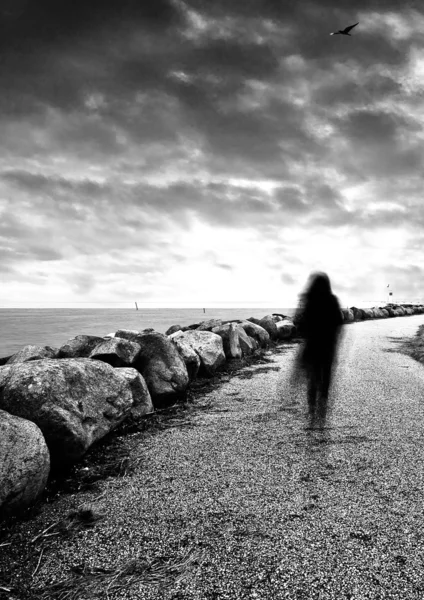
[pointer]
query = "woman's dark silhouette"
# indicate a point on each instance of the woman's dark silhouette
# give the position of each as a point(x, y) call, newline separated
point(318, 319)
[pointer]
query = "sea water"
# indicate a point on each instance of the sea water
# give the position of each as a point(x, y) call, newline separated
point(54, 326)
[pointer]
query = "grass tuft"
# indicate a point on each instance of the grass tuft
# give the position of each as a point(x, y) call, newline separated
point(98, 582)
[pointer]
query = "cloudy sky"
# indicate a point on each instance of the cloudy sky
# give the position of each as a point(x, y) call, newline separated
point(190, 152)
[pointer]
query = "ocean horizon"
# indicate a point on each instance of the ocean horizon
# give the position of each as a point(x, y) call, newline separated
point(54, 326)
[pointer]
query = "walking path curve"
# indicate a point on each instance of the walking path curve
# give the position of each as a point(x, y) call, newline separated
point(250, 500)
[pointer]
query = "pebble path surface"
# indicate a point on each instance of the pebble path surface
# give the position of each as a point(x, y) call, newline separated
point(268, 503)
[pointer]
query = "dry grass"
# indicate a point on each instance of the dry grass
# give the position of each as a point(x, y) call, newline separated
point(98, 582)
point(413, 347)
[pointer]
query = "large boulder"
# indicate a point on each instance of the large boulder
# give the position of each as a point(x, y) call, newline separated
point(173, 329)
point(162, 367)
point(285, 329)
point(74, 401)
point(254, 320)
point(24, 463)
point(209, 347)
point(368, 313)
point(256, 332)
point(187, 353)
point(28, 353)
point(385, 313)
point(209, 325)
point(267, 323)
point(79, 346)
point(128, 334)
point(280, 317)
point(247, 344)
point(230, 340)
point(142, 401)
point(347, 314)
point(117, 352)
point(358, 313)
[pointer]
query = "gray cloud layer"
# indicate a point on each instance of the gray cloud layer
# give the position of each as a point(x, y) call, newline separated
point(125, 124)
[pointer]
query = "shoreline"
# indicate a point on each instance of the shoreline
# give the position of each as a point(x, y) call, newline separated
point(70, 516)
point(70, 506)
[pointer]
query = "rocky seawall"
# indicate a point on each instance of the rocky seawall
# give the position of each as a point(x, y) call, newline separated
point(55, 403)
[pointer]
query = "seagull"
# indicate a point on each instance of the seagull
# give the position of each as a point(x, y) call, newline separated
point(345, 31)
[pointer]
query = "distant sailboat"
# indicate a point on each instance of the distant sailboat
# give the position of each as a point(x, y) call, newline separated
point(204, 310)
point(136, 307)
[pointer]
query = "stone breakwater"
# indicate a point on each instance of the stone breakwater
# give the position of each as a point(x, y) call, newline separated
point(56, 402)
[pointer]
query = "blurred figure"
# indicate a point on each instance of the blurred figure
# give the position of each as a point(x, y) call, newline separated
point(318, 319)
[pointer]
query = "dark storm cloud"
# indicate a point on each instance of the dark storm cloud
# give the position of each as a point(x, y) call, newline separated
point(129, 85)
point(345, 93)
point(142, 71)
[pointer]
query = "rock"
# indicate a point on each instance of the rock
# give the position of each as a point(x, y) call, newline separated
point(24, 463)
point(368, 313)
point(209, 325)
point(257, 332)
point(254, 320)
point(230, 340)
point(173, 329)
point(188, 354)
point(142, 401)
point(28, 353)
point(385, 313)
point(79, 346)
point(347, 315)
point(271, 327)
point(117, 352)
point(74, 401)
point(357, 313)
point(286, 329)
point(390, 310)
point(4, 360)
point(162, 367)
point(4, 374)
point(128, 334)
point(280, 317)
point(209, 347)
point(247, 344)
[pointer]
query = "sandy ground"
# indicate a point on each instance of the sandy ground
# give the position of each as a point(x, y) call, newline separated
point(247, 497)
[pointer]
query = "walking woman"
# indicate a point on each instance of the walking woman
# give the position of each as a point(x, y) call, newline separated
point(318, 319)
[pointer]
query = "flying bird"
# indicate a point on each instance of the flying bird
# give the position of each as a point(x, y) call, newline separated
point(345, 31)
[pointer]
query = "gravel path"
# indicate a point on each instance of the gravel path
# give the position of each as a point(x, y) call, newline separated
point(249, 499)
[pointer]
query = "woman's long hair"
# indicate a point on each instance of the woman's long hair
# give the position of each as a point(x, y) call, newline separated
point(318, 290)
